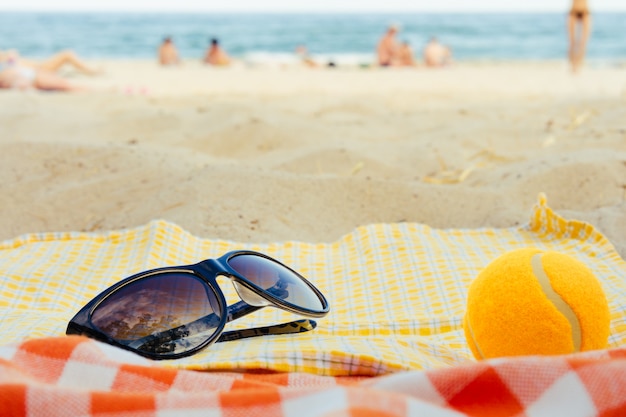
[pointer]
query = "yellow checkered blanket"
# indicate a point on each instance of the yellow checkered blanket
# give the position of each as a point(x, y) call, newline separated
point(396, 291)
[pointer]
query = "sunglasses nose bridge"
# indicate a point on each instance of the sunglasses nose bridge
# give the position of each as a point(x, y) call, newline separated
point(217, 267)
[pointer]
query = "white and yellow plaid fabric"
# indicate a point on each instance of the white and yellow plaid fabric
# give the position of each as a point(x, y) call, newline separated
point(396, 291)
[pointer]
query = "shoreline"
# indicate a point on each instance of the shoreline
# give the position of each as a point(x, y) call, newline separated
point(479, 79)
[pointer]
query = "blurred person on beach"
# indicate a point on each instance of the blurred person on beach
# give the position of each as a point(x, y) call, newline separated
point(387, 49)
point(215, 55)
point(303, 53)
point(168, 54)
point(579, 29)
point(436, 55)
point(22, 73)
point(405, 55)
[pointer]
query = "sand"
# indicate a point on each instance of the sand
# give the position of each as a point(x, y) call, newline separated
point(274, 154)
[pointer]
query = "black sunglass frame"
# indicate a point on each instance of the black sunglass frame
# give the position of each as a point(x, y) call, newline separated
point(208, 272)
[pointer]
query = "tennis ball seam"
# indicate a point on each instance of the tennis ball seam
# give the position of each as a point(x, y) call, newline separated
point(557, 301)
point(471, 335)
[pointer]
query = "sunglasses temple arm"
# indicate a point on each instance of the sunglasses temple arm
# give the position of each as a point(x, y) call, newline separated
point(297, 326)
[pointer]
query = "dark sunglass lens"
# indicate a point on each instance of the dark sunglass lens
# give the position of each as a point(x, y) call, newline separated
point(276, 279)
point(159, 314)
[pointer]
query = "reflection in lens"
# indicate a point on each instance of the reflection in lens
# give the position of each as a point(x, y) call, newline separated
point(277, 280)
point(164, 313)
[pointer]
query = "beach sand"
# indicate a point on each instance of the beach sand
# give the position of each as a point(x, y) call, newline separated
point(276, 154)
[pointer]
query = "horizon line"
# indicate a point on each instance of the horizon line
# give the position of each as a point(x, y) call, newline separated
point(289, 11)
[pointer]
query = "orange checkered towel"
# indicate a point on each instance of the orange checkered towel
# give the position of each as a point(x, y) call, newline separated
point(75, 376)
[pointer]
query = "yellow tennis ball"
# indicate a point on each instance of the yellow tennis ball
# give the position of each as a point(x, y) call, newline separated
point(533, 302)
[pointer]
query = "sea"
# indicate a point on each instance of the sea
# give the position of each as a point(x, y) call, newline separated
point(340, 37)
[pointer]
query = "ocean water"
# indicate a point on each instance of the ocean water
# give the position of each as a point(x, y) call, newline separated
point(340, 37)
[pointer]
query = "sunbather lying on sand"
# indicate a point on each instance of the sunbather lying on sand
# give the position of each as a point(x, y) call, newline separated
point(21, 73)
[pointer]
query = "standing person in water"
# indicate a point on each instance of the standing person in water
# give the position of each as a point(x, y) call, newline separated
point(579, 29)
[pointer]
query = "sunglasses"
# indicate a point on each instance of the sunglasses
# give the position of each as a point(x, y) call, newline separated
point(172, 312)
